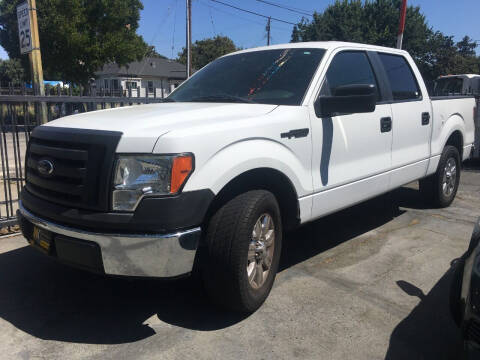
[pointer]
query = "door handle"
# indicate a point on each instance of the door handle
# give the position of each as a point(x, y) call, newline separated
point(386, 124)
point(425, 118)
point(297, 133)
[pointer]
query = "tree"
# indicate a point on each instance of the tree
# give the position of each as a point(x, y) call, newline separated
point(78, 37)
point(152, 52)
point(11, 71)
point(376, 22)
point(207, 50)
point(467, 46)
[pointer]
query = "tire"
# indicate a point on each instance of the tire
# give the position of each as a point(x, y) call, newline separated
point(441, 188)
point(229, 250)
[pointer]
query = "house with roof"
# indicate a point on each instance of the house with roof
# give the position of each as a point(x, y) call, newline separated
point(151, 77)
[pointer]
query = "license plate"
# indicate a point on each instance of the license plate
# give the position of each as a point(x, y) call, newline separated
point(42, 238)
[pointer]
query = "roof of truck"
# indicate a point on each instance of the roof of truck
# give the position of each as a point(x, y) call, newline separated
point(325, 45)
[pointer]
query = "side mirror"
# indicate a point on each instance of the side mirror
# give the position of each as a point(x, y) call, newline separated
point(348, 99)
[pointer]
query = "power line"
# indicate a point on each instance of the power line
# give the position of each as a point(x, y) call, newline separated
point(253, 12)
point(174, 23)
point(211, 18)
point(249, 19)
point(286, 8)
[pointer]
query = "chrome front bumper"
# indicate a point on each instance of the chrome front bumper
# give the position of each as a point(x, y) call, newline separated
point(150, 255)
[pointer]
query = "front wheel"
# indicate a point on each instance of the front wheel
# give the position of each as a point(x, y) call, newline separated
point(441, 188)
point(244, 239)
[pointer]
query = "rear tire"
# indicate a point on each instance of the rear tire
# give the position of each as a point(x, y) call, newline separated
point(441, 188)
point(244, 239)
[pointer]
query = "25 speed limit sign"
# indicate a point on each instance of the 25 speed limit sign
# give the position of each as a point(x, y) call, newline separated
point(24, 33)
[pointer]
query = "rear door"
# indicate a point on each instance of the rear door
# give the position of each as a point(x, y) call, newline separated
point(411, 119)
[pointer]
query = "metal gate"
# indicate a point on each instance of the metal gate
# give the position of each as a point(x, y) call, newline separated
point(19, 114)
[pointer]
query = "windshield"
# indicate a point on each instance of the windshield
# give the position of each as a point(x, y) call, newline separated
point(279, 77)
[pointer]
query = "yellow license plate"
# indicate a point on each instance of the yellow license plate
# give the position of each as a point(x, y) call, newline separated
point(42, 238)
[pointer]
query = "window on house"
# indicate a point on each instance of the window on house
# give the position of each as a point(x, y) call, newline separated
point(131, 84)
point(150, 87)
point(105, 83)
point(114, 84)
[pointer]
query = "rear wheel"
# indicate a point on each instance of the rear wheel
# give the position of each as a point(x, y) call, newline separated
point(441, 188)
point(244, 239)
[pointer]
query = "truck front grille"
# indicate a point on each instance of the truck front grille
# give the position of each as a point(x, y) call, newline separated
point(80, 161)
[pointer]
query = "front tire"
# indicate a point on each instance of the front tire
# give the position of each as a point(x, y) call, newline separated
point(244, 239)
point(441, 188)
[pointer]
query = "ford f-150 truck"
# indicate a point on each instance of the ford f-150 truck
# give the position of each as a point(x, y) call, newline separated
point(256, 143)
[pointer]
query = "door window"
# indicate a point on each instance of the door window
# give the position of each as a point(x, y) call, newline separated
point(402, 81)
point(349, 68)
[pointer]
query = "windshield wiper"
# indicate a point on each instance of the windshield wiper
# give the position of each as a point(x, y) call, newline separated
point(222, 98)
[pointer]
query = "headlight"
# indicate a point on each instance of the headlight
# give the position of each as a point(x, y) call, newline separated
point(139, 175)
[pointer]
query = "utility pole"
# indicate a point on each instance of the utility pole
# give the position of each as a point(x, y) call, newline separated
point(189, 38)
point(401, 27)
point(268, 30)
point(30, 34)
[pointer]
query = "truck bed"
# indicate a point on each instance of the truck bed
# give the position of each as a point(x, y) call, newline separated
point(446, 107)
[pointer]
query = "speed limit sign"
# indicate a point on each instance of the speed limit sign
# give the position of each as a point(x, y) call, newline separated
point(24, 32)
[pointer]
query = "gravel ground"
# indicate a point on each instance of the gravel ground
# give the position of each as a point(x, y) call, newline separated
point(370, 282)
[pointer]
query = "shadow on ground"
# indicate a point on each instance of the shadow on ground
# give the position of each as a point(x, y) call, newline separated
point(51, 301)
point(429, 331)
point(472, 165)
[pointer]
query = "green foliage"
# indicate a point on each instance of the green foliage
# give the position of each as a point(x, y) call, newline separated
point(152, 52)
point(376, 22)
point(11, 72)
point(78, 37)
point(207, 50)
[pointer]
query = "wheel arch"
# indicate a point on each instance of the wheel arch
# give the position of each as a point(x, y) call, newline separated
point(453, 133)
point(456, 140)
point(264, 178)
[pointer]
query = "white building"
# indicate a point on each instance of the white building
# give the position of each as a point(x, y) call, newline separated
point(152, 77)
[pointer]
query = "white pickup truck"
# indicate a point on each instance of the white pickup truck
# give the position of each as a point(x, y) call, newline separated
point(257, 142)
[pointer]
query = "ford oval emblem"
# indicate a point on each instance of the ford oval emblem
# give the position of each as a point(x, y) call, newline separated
point(45, 167)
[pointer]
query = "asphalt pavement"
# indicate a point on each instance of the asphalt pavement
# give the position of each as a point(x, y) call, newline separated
point(370, 282)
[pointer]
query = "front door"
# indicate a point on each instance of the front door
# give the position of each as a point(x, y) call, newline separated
point(351, 152)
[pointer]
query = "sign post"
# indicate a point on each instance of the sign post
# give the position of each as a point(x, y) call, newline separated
point(24, 28)
point(30, 44)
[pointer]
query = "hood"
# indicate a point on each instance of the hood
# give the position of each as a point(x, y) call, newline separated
point(142, 125)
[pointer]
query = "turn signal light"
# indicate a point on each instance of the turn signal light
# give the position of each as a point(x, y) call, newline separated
point(181, 168)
